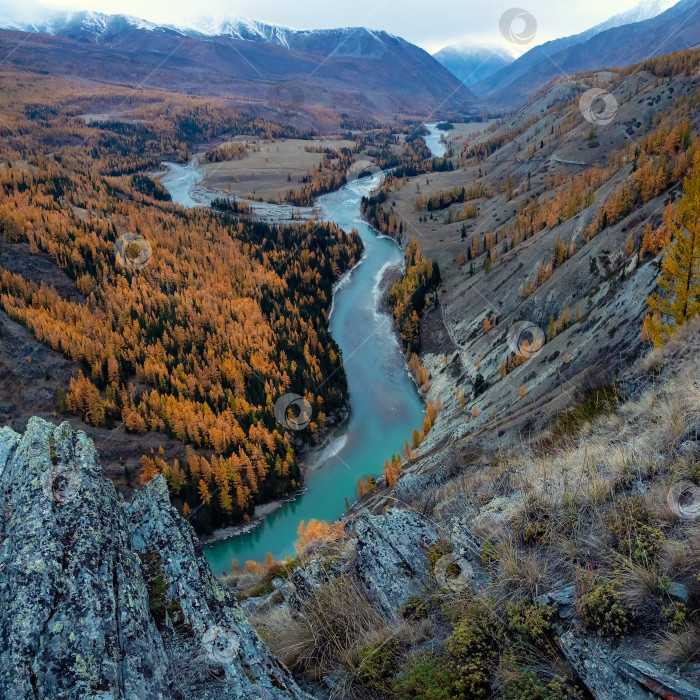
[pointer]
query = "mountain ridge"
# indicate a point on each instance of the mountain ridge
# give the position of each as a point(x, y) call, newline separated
point(96, 24)
point(354, 70)
point(619, 45)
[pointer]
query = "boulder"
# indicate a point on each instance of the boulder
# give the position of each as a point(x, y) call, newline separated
point(103, 599)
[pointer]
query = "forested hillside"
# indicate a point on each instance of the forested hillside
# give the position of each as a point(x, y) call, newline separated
point(188, 322)
point(556, 218)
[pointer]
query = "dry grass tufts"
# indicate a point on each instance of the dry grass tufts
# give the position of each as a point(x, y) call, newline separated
point(682, 646)
point(519, 574)
point(334, 625)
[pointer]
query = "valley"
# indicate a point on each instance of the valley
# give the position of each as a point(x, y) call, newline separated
point(268, 171)
point(384, 405)
point(334, 368)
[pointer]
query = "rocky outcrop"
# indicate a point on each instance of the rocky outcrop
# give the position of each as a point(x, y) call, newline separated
point(596, 665)
point(660, 681)
point(392, 562)
point(104, 599)
point(392, 558)
point(609, 677)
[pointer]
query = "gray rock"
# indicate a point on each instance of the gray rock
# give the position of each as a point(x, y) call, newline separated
point(679, 591)
point(302, 584)
point(8, 441)
point(468, 547)
point(262, 604)
point(494, 513)
point(82, 575)
point(596, 665)
point(412, 485)
point(392, 556)
point(563, 598)
point(659, 681)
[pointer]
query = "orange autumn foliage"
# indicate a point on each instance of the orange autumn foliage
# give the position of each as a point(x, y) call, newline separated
point(224, 316)
point(318, 531)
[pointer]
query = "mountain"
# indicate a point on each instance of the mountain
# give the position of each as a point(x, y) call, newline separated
point(97, 26)
point(355, 70)
point(641, 27)
point(647, 9)
point(473, 64)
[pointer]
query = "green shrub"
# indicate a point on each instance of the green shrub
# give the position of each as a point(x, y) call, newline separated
point(157, 585)
point(529, 687)
point(473, 651)
point(532, 624)
point(602, 611)
point(635, 530)
point(377, 665)
point(488, 553)
point(437, 551)
point(676, 613)
point(425, 679)
point(416, 608)
point(695, 472)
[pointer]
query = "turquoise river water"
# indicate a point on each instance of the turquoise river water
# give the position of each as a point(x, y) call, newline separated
point(385, 406)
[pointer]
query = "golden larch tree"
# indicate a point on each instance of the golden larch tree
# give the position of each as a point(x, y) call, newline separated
point(678, 298)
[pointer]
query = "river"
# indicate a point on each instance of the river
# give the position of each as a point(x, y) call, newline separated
point(385, 406)
point(432, 140)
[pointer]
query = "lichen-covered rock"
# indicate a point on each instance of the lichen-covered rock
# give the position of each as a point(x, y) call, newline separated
point(494, 513)
point(562, 598)
point(596, 665)
point(660, 681)
point(102, 599)
point(392, 556)
point(411, 485)
point(302, 584)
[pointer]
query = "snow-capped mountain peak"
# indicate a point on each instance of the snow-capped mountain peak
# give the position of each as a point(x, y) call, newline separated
point(646, 9)
point(34, 17)
point(241, 28)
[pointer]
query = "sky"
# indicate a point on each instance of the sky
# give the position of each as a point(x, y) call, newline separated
point(453, 22)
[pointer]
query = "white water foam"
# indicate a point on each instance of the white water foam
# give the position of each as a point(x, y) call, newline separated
point(332, 449)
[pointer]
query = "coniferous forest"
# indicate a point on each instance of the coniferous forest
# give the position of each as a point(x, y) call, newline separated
point(205, 319)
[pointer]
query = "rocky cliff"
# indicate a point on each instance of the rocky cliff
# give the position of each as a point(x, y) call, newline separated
point(100, 598)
